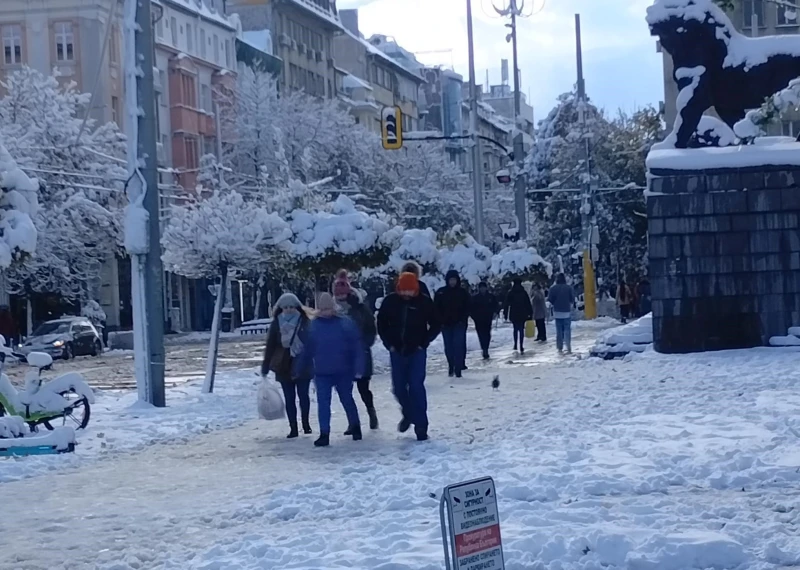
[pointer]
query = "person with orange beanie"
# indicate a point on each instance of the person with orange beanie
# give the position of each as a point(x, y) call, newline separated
point(407, 324)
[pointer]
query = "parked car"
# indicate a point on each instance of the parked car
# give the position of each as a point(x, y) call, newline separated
point(65, 338)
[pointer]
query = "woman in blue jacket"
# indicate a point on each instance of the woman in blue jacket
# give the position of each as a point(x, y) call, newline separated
point(335, 351)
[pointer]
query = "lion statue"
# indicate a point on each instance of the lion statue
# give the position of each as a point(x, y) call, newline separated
point(716, 66)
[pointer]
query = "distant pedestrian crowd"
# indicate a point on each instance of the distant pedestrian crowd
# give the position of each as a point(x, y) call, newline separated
point(332, 344)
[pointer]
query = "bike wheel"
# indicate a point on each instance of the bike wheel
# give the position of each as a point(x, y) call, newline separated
point(78, 413)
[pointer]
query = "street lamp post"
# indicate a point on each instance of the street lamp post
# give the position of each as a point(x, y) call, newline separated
point(477, 159)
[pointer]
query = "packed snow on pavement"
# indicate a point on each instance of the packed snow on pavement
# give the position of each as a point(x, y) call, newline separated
point(655, 462)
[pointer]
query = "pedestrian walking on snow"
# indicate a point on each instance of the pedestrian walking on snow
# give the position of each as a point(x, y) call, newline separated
point(414, 267)
point(518, 310)
point(407, 324)
point(350, 303)
point(453, 308)
point(334, 348)
point(562, 297)
point(539, 304)
point(483, 310)
point(286, 338)
point(624, 300)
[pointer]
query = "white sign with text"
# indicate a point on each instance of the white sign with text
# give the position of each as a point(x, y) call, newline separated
point(474, 525)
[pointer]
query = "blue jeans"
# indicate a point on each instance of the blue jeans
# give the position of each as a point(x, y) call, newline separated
point(564, 333)
point(408, 384)
point(455, 345)
point(519, 334)
point(344, 387)
point(293, 391)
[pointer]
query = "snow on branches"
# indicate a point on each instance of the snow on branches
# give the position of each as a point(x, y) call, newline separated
point(340, 236)
point(461, 252)
point(519, 260)
point(18, 204)
point(221, 231)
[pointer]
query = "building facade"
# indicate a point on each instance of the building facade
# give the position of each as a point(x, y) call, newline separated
point(441, 104)
point(392, 82)
point(753, 18)
point(501, 99)
point(302, 34)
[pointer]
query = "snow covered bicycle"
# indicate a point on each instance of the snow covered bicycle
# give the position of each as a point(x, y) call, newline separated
point(63, 398)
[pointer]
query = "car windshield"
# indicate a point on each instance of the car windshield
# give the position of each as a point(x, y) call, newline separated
point(53, 327)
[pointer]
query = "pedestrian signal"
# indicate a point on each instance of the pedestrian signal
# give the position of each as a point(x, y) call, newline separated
point(392, 128)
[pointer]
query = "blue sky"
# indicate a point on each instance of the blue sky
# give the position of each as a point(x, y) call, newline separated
point(621, 66)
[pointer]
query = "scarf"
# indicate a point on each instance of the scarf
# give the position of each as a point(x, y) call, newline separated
point(290, 329)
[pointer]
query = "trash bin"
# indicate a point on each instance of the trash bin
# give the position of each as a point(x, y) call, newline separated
point(227, 320)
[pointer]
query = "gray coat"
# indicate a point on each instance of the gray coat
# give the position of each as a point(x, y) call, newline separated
point(539, 305)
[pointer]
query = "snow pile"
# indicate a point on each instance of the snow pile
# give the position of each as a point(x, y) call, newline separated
point(519, 260)
point(47, 398)
point(415, 245)
point(775, 151)
point(12, 426)
point(18, 205)
point(791, 339)
point(342, 229)
point(636, 336)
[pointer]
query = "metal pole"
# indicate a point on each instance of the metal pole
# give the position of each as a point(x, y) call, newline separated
point(443, 505)
point(147, 159)
point(587, 198)
point(520, 207)
point(477, 157)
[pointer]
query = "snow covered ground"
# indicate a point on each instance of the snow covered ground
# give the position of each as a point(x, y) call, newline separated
point(656, 462)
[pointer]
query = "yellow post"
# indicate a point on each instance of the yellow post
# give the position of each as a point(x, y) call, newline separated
point(589, 291)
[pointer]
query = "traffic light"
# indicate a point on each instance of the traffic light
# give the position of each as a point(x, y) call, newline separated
point(392, 128)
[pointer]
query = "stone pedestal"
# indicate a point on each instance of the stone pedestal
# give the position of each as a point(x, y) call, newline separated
point(724, 254)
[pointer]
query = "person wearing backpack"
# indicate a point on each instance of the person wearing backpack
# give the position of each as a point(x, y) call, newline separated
point(286, 339)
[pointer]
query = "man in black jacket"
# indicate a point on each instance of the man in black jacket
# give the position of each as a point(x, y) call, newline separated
point(407, 325)
point(483, 310)
point(414, 267)
point(518, 310)
point(452, 307)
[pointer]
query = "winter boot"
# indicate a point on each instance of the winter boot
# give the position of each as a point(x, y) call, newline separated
point(292, 431)
point(355, 431)
point(348, 431)
point(451, 373)
point(373, 418)
point(323, 441)
point(422, 434)
point(404, 425)
point(307, 427)
point(486, 355)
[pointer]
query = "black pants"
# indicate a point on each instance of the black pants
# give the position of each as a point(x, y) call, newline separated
point(541, 330)
point(366, 394)
point(297, 390)
point(625, 311)
point(519, 334)
point(484, 331)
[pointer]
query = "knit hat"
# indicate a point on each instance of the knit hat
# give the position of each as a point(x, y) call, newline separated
point(288, 300)
point(407, 284)
point(326, 305)
point(341, 286)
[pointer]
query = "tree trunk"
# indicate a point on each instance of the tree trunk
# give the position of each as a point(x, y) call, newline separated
point(216, 323)
point(257, 311)
point(28, 317)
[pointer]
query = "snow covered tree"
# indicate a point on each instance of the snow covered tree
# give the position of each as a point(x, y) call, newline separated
point(341, 236)
point(82, 180)
point(520, 261)
point(461, 252)
point(18, 205)
point(217, 234)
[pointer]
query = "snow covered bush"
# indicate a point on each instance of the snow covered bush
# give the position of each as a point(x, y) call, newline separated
point(92, 310)
point(415, 245)
point(18, 205)
point(221, 232)
point(340, 236)
point(462, 253)
point(519, 260)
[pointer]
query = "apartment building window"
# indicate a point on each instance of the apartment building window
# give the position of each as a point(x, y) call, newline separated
point(162, 77)
point(228, 61)
point(749, 8)
point(160, 28)
point(113, 53)
point(65, 41)
point(216, 48)
point(190, 148)
point(209, 146)
point(115, 117)
point(173, 27)
point(188, 91)
point(202, 43)
point(205, 98)
point(189, 38)
point(785, 16)
point(12, 44)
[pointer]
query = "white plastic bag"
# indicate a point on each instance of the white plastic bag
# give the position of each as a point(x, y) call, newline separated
point(270, 401)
